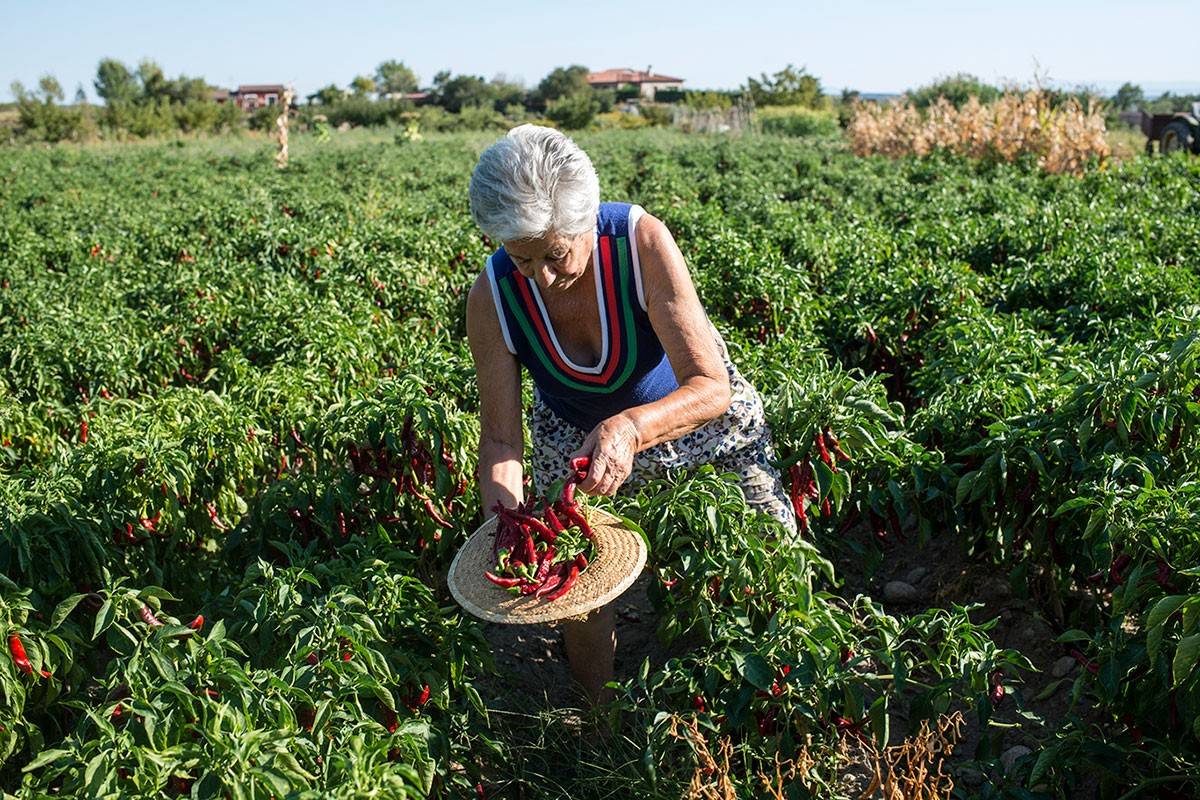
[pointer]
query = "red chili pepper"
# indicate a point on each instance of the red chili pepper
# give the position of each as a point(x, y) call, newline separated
point(553, 581)
point(197, 623)
point(390, 721)
point(669, 583)
point(148, 616)
point(313, 659)
point(579, 466)
point(997, 693)
point(554, 523)
point(835, 446)
point(1085, 662)
point(18, 654)
point(434, 515)
point(151, 523)
point(1118, 565)
point(698, 703)
point(83, 432)
point(578, 519)
point(567, 584)
point(826, 508)
point(216, 521)
point(819, 440)
point(1162, 575)
point(423, 698)
point(504, 582)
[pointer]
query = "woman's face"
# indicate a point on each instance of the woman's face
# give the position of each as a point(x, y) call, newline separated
point(554, 262)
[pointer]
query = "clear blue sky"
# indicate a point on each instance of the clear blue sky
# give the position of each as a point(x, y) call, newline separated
point(870, 45)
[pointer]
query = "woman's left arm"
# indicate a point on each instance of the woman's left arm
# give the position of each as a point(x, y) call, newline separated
point(681, 325)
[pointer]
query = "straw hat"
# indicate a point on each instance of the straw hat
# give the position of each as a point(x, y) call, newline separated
point(619, 559)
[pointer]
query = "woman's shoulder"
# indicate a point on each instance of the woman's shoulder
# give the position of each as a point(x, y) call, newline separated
point(617, 218)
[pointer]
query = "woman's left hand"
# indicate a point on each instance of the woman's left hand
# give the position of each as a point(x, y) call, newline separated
point(611, 446)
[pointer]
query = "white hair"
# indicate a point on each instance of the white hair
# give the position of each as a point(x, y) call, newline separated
point(534, 182)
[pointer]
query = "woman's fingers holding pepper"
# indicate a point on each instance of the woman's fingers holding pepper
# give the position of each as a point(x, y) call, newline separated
point(615, 444)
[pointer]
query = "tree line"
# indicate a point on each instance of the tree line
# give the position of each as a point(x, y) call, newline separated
point(143, 101)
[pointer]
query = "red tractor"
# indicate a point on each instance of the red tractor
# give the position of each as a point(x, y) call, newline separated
point(1175, 132)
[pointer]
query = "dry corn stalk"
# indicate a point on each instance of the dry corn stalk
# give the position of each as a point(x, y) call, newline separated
point(1065, 139)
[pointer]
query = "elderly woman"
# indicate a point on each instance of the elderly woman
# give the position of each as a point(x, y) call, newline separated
point(594, 300)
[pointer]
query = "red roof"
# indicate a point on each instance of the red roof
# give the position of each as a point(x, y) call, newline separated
point(261, 88)
point(628, 75)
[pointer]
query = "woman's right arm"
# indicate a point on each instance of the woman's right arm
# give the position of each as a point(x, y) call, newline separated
point(498, 374)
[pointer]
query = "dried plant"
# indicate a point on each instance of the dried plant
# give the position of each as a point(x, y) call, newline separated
point(1065, 139)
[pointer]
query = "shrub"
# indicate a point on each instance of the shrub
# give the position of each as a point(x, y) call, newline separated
point(573, 111)
point(619, 120)
point(796, 121)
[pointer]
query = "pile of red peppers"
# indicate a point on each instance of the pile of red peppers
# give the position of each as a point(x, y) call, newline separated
point(529, 548)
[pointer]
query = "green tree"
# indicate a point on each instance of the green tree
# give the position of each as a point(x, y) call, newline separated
point(154, 83)
point(327, 95)
point(1129, 96)
point(956, 88)
point(453, 94)
point(393, 77)
point(40, 117)
point(506, 93)
point(562, 82)
point(50, 88)
point(362, 86)
point(115, 83)
point(788, 87)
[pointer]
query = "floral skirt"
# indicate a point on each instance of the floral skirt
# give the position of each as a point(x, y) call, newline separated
point(738, 441)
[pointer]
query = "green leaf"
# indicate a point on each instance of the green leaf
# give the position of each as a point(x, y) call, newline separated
point(63, 610)
point(1072, 504)
point(964, 486)
point(1185, 658)
point(43, 758)
point(104, 618)
point(755, 670)
point(1164, 608)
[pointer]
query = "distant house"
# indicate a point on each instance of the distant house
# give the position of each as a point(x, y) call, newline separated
point(416, 98)
point(219, 95)
point(646, 82)
point(252, 96)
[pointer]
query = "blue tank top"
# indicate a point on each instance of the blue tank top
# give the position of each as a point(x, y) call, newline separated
point(633, 368)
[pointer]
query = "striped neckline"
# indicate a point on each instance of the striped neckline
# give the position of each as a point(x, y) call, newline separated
point(619, 347)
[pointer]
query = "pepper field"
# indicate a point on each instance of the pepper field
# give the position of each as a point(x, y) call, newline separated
point(235, 401)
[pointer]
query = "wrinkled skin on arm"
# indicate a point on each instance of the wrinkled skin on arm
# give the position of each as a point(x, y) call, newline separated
point(498, 373)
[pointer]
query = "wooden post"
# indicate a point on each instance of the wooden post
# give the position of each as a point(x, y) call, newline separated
point(281, 122)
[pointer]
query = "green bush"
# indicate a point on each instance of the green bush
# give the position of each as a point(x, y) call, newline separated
point(796, 121)
point(574, 112)
point(956, 88)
